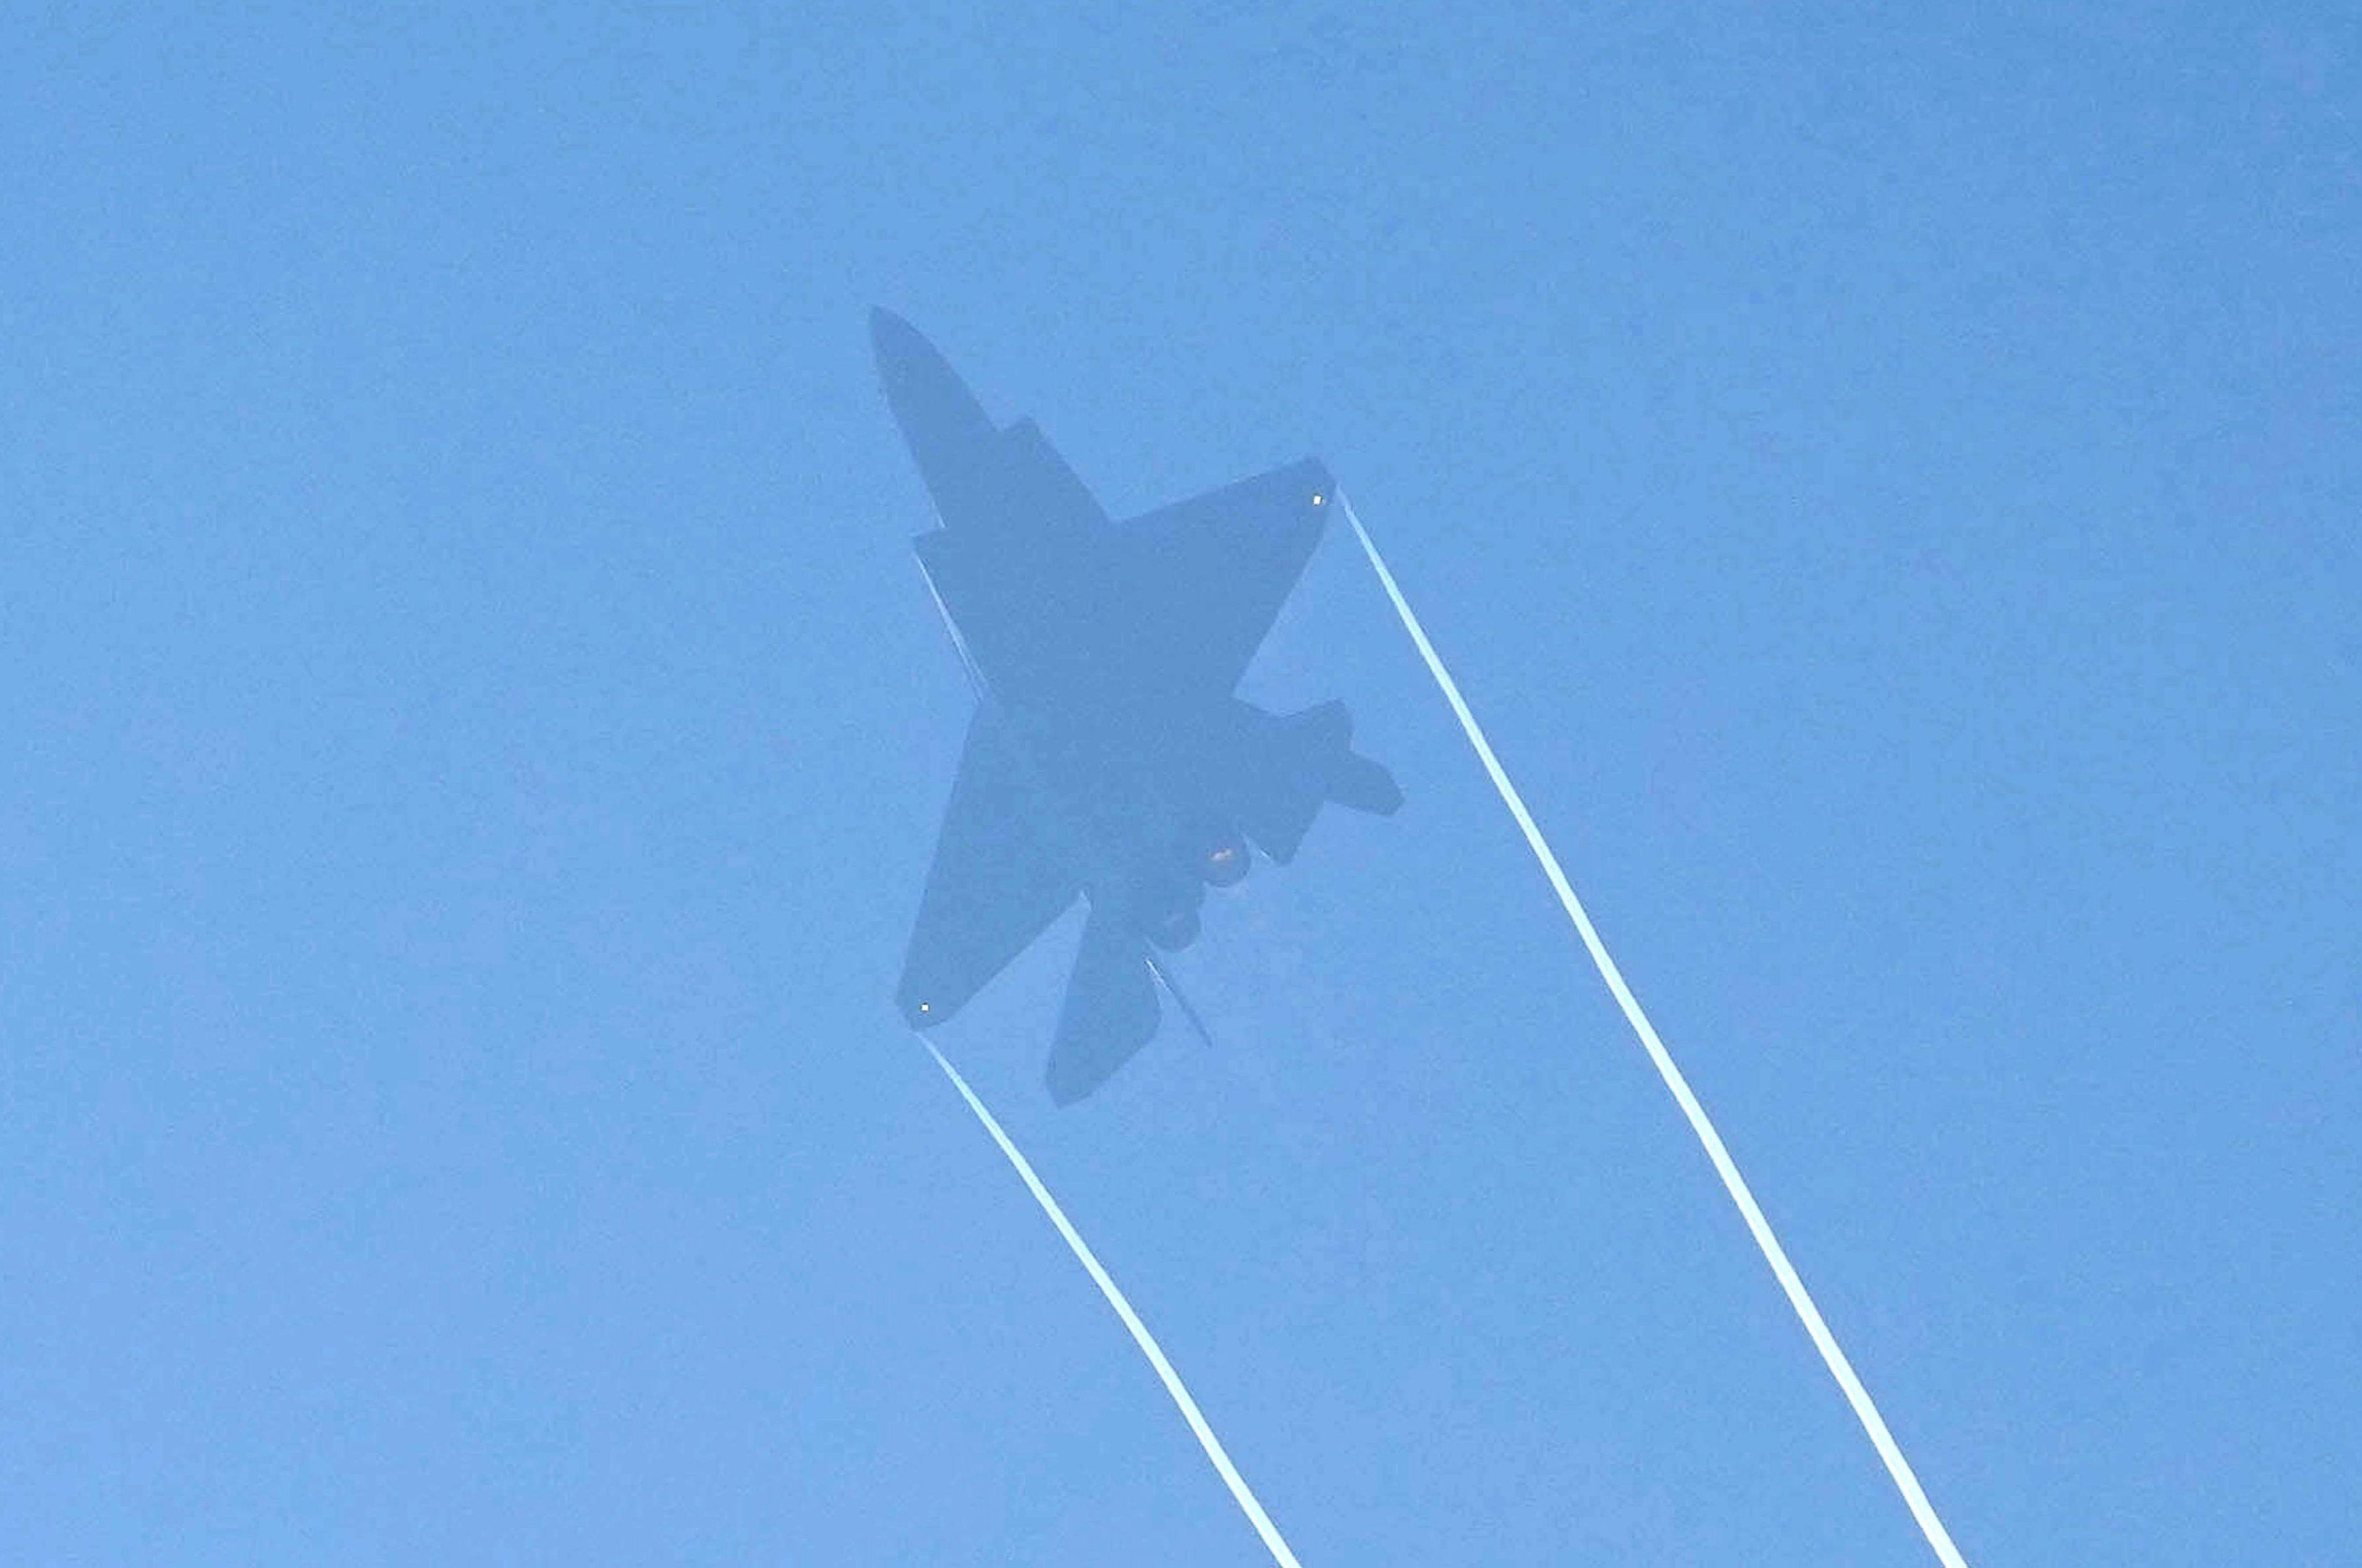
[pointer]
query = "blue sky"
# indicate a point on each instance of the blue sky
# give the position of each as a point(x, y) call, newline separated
point(1885, 475)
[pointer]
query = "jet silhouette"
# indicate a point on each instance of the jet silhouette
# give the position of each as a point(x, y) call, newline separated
point(1108, 757)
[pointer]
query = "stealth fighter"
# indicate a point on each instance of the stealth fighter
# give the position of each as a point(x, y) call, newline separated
point(1108, 757)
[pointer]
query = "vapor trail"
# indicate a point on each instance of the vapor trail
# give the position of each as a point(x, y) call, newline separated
point(1140, 1335)
point(1774, 1253)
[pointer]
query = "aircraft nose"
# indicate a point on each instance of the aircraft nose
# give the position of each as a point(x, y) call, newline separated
point(894, 340)
point(934, 406)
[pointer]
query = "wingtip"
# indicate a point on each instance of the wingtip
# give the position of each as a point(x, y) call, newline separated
point(922, 1012)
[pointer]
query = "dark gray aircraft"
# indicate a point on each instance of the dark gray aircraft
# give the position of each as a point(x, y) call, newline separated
point(1107, 757)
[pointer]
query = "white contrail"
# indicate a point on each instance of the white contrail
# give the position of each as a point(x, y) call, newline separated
point(1736, 1185)
point(1140, 1335)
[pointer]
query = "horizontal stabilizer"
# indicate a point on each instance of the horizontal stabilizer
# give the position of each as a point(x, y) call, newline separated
point(1288, 767)
point(1110, 1009)
point(1356, 782)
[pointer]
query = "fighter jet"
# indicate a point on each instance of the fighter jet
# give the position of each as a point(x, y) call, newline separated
point(1108, 757)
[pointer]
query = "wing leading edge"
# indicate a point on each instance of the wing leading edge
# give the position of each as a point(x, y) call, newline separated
point(997, 881)
point(1208, 574)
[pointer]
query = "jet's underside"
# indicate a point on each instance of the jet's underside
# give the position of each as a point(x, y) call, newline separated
point(1109, 758)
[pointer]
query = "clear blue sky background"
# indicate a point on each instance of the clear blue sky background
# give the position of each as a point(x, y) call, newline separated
point(474, 732)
